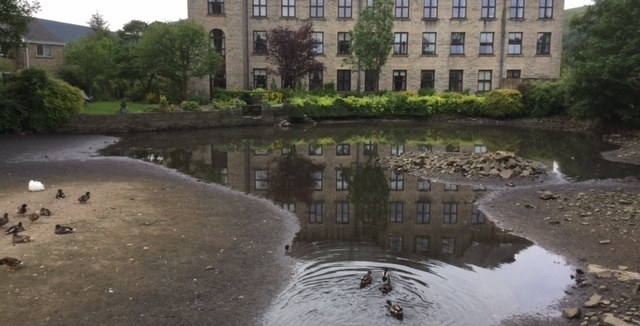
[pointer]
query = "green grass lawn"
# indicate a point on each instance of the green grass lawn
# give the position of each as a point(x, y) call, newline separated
point(112, 107)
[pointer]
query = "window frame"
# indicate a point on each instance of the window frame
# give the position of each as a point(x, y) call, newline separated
point(318, 42)
point(400, 43)
point(545, 10)
point(514, 73)
point(514, 44)
point(41, 51)
point(457, 44)
point(488, 10)
point(455, 83)
point(543, 46)
point(429, 41)
point(396, 181)
point(257, 73)
point(450, 214)
point(342, 212)
point(318, 5)
point(260, 46)
point(344, 38)
point(486, 43)
point(288, 8)
point(345, 8)
point(430, 9)
point(401, 9)
point(343, 149)
point(423, 184)
point(423, 212)
point(399, 80)
point(343, 80)
point(217, 36)
point(215, 7)
point(342, 179)
point(396, 212)
point(425, 82)
point(317, 176)
point(484, 81)
point(259, 8)
point(316, 83)
point(516, 10)
point(261, 179)
point(315, 217)
point(459, 10)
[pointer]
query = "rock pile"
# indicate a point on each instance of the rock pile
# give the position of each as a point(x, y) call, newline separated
point(496, 164)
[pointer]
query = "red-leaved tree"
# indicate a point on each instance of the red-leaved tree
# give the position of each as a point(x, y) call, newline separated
point(293, 53)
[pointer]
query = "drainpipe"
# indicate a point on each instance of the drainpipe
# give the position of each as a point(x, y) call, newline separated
point(246, 44)
point(359, 68)
point(26, 51)
point(503, 32)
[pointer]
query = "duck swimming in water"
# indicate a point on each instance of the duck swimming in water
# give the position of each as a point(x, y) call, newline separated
point(61, 229)
point(386, 275)
point(15, 229)
point(22, 209)
point(4, 220)
point(395, 310)
point(60, 194)
point(13, 263)
point(84, 198)
point(366, 280)
point(386, 287)
point(18, 238)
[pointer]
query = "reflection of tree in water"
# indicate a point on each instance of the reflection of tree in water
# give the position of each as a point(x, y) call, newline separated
point(369, 195)
point(291, 179)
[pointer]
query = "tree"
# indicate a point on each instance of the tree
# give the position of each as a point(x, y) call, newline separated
point(604, 80)
point(293, 52)
point(90, 60)
point(178, 51)
point(98, 24)
point(372, 39)
point(15, 16)
point(136, 73)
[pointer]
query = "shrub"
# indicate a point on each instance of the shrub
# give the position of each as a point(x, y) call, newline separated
point(503, 103)
point(152, 98)
point(543, 99)
point(426, 91)
point(201, 98)
point(189, 106)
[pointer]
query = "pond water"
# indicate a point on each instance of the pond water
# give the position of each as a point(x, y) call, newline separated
point(449, 264)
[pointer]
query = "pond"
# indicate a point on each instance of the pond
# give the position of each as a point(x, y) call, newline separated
point(449, 264)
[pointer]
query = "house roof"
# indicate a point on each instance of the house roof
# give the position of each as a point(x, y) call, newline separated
point(49, 31)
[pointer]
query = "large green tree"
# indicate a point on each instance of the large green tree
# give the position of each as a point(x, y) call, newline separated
point(604, 81)
point(372, 39)
point(15, 16)
point(90, 61)
point(178, 51)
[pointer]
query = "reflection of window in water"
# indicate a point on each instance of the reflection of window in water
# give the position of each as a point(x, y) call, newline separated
point(397, 181)
point(343, 149)
point(450, 187)
point(422, 244)
point(342, 212)
point(261, 152)
point(423, 213)
point(395, 242)
point(366, 211)
point(288, 150)
point(261, 179)
point(317, 180)
point(397, 150)
point(315, 213)
point(477, 217)
point(450, 214)
point(425, 148)
point(448, 245)
point(369, 148)
point(396, 209)
point(452, 148)
point(315, 150)
point(290, 207)
point(222, 175)
point(424, 184)
point(479, 149)
point(342, 180)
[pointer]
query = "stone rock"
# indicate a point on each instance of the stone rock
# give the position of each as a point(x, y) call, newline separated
point(506, 174)
point(609, 319)
point(594, 301)
point(546, 195)
point(571, 313)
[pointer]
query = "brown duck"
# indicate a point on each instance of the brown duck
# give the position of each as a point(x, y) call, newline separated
point(18, 238)
point(45, 212)
point(22, 209)
point(60, 194)
point(34, 217)
point(84, 198)
point(15, 229)
point(61, 229)
point(13, 263)
point(4, 220)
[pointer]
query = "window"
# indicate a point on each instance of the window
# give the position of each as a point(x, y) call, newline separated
point(261, 151)
point(546, 9)
point(422, 244)
point(315, 213)
point(216, 41)
point(343, 149)
point(428, 43)
point(396, 209)
point(457, 43)
point(423, 213)
point(544, 44)
point(43, 50)
point(315, 80)
point(315, 150)
point(430, 9)
point(395, 242)
point(513, 73)
point(450, 214)
point(455, 80)
point(448, 245)
point(318, 42)
point(221, 176)
point(486, 43)
point(397, 150)
point(316, 8)
point(288, 150)
point(427, 79)
point(517, 9)
point(369, 3)
point(400, 43)
point(260, 78)
point(369, 148)
point(344, 43)
point(317, 179)
point(402, 9)
point(261, 182)
point(288, 8)
point(259, 8)
point(488, 10)
point(260, 42)
point(484, 81)
point(399, 80)
point(515, 43)
point(479, 149)
point(425, 148)
point(477, 217)
point(450, 187)
point(291, 207)
point(216, 7)
point(459, 9)
point(370, 81)
point(397, 181)
point(342, 180)
point(424, 184)
point(342, 212)
point(344, 8)
point(344, 81)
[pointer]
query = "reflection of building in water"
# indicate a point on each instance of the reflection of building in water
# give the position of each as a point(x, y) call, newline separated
point(438, 220)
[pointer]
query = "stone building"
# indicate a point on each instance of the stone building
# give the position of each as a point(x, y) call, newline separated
point(458, 45)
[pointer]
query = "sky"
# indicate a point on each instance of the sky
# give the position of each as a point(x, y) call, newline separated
point(119, 12)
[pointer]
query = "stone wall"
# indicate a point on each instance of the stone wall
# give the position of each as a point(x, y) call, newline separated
point(117, 123)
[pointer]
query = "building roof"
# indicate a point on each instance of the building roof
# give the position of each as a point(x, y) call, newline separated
point(49, 31)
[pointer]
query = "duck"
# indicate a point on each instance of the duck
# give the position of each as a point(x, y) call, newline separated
point(4, 220)
point(34, 217)
point(45, 211)
point(17, 238)
point(61, 229)
point(579, 276)
point(15, 229)
point(366, 280)
point(22, 209)
point(386, 287)
point(395, 309)
point(84, 198)
point(13, 263)
point(386, 275)
point(60, 194)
